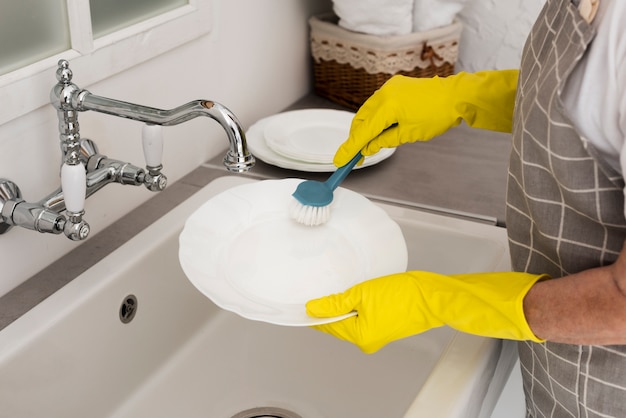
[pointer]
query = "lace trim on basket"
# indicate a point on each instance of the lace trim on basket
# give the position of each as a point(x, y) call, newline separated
point(390, 62)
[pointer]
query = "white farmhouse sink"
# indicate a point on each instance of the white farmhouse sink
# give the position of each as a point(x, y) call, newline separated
point(181, 356)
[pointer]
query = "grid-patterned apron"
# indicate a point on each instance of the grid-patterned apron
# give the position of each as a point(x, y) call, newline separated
point(565, 213)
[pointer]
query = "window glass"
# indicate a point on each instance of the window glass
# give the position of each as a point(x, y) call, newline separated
point(31, 30)
point(110, 15)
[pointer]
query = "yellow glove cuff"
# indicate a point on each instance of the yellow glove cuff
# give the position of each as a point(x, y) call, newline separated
point(490, 304)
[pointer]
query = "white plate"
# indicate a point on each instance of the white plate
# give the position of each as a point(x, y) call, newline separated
point(257, 145)
point(243, 251)
point(311, 136)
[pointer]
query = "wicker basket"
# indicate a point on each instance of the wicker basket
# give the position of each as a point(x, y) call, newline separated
point(349, 66)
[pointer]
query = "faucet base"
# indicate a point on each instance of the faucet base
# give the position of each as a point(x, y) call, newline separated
point(8, 192)
point(237, 164)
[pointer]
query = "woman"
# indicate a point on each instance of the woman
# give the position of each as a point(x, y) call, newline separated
point(566, 300)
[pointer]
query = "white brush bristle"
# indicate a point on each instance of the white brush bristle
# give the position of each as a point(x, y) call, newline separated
point(309, 215)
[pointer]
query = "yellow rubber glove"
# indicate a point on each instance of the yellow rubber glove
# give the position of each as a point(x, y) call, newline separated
point(400, 305)
point(407, 109)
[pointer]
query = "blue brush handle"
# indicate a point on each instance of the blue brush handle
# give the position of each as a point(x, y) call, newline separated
point(342, 172)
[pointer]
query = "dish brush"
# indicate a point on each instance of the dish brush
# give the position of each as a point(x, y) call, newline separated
point(312, 199)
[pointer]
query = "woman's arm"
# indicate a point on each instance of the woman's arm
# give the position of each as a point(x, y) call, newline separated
point(584, 308)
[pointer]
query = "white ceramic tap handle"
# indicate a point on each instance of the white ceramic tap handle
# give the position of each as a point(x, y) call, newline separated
point(74, 186)
point(152, 138)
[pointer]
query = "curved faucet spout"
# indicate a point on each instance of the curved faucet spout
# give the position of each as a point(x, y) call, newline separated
point(237, 159)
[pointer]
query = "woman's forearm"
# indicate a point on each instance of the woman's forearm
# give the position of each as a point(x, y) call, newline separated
point(586, 308)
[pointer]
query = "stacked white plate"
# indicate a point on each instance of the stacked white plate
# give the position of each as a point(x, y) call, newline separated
point(304, 140)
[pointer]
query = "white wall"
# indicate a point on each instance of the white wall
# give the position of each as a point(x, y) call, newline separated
point(255, 61)
point(494, 33)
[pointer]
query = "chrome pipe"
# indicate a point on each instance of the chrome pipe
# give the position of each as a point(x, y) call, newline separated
point(237, 159)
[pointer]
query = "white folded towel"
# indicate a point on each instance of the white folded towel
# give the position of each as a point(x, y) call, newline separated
point(430, 14)
point(375, 17)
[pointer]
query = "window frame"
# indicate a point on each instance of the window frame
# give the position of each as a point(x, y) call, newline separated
point(28, 88)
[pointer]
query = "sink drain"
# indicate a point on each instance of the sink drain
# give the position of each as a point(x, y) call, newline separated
point(128, 309)
point(266, 412)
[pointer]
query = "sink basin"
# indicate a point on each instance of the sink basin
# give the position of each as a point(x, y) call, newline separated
point(180, 355)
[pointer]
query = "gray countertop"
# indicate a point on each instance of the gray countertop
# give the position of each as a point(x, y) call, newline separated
point(463, 170)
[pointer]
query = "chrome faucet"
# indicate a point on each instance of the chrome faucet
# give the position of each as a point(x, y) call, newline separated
point(84, 170)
